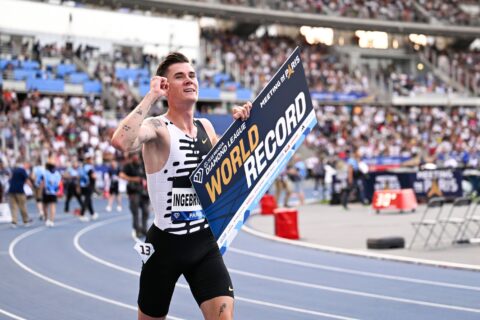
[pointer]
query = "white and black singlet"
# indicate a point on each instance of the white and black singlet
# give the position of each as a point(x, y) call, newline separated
point(174, 201)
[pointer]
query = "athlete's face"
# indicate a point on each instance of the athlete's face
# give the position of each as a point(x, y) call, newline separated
point(182, 83)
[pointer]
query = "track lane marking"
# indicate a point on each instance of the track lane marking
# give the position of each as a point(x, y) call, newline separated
point(365, 254)
point(82, 232)
point(290, 282)
point(351, 271)
point(11, 250)
point(11, 315)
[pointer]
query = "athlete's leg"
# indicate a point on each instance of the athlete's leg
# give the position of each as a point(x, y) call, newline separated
point(210, 282)
point(219, 308)
point(159, 276)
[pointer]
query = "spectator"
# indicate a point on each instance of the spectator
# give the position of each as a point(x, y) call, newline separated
point(112, 186)
point(87, 186)
point(51, 179)
point(72, 184)
point(283, 185)
point(16, 193)
point(37, 177)
point(134, 173)
point(355, 179)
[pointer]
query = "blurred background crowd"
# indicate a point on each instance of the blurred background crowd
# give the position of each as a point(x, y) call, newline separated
point(408, 98)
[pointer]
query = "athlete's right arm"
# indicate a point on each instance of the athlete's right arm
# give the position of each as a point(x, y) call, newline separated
point(134, 130)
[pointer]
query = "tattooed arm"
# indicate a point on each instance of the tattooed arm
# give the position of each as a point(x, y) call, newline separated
point(134, 130)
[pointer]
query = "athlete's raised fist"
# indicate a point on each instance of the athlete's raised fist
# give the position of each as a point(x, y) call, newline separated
point(159, 86)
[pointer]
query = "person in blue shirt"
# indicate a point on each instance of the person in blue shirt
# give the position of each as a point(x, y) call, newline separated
point(50, 186)
point(16, 193)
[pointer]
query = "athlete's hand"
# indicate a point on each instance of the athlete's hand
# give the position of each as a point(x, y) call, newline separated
point(159, 86)
point(242, 112)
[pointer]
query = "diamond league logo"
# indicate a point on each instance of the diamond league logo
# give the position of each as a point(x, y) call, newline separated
point(198, 177)
point(176, 215)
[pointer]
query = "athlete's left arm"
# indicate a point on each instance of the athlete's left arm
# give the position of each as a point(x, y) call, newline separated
point(238, 112)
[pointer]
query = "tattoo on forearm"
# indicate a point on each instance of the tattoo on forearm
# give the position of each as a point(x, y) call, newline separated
point(222, 308)
point(139, 112)
point(126, 128)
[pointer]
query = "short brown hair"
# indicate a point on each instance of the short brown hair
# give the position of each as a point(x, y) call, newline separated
point(171, 58)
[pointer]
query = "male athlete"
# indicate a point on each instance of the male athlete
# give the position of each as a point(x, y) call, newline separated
point(173, 145)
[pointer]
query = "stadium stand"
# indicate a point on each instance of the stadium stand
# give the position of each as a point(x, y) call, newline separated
point(355, 89)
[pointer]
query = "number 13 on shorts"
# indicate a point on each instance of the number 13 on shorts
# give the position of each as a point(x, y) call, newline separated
point(145, 250)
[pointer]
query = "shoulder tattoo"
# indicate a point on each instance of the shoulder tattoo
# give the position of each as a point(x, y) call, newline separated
point(157, 123)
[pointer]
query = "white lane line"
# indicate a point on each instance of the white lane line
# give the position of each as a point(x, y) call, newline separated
point(351, 271)
point(390, 257)
point(25, 235)
point(332, 289)
point(354, 292)
point(76, 243)
point(11, 315)
point(183, 286)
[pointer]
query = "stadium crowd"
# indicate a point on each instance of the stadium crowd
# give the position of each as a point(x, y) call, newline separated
point(445, 136)
point(457, 12)
point(252, 65)
point(37, 126)
point(460, 64)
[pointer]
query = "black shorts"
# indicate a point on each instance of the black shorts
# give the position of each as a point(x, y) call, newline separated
point(49, 198)
point(113, 188)
point(196, 256)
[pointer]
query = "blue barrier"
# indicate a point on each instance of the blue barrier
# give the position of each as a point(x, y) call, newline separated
point(337, 96)
point(23, 74)
point(244, 94)
point(5, 62)
point(92, 87)
point(47, 85)
point(63, 69)
point(30, 64)
point(143, 89)
point(209, 93)
point(78, 77)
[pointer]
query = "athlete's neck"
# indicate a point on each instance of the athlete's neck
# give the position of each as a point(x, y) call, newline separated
point(183, 120)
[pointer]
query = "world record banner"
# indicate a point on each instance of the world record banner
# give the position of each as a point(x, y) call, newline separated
point(244, 163)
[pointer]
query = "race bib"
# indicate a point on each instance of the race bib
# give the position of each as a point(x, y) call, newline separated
point(185, 203)
point(145, 250)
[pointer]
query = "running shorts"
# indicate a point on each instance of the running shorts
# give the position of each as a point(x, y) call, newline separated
point(194, 255)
